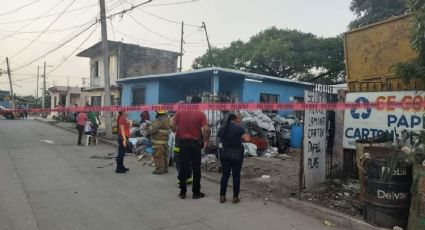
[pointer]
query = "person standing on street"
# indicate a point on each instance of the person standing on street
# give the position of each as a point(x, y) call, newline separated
point(123, 135)
point(159, 132)
point(193, 134)
point(95, 121)
point(81, 121)
point(231, 156)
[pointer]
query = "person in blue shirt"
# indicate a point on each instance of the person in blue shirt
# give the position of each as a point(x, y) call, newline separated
point(231, 156)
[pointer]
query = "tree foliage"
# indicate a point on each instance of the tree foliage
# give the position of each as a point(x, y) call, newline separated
point(371, 11)
point(282, 53)
point(416, 67)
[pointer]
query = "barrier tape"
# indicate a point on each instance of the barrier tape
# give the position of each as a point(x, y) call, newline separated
point(294, 106)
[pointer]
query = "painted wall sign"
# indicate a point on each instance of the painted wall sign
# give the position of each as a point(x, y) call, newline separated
point(314, 141)
point(372, 122)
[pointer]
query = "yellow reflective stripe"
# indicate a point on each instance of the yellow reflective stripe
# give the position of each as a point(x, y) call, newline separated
point(159, 142)
point(163, 131)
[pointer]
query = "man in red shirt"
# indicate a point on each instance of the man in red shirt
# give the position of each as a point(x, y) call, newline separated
point(81, 121)
point(193, 134)
point(123, 135)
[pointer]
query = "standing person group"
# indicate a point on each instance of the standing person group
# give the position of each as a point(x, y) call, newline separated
point(192, 134)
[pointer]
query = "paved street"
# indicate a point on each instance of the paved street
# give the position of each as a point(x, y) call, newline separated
point(47, 182)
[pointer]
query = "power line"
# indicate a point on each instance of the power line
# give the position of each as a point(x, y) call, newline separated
point(172, 3)
point(48, 27)
point(129, 9)
point(146, 28)
point(72, 53)
point(47, 31)
point(31, 22)
point(19, 8)
point(147, 42)
point(168, 20)
point(49, 15)
point(56, 48)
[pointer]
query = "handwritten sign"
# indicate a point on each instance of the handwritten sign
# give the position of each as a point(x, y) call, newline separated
point(314, 141)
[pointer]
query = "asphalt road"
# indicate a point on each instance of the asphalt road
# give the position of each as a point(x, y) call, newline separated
point(47, 182)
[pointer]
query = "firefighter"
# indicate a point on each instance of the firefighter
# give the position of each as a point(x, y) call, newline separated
point(159, 132)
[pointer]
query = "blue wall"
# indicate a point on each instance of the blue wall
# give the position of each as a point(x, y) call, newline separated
point(232, 84)
point(252, 91)
point(170, 91)
point(151, 97)
point(5, 104)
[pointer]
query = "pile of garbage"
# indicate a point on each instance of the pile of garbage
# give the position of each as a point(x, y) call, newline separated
point(270, 136)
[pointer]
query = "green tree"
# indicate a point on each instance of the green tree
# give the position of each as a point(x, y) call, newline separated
point(282, 53)
point(371, 11)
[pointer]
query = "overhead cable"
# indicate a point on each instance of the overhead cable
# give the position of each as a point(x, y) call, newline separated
point(31, 22)
point(172, 3)
point(146, 28)
point(56, 48)
point(169, 20)
point(72, 53)
point(48, 27)
point(49, 15)
point(19, 8)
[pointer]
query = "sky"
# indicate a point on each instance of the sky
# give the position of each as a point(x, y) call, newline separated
point(54, 31)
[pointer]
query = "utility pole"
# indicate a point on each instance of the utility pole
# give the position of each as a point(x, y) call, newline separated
point(38, 76)
point(43, 101)
point(181, 48)
point(12, 96)
point(208, 41)
point(107, 99)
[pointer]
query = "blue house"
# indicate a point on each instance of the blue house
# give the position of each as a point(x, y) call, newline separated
point(214, 83)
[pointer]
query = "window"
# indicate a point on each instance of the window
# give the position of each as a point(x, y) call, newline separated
point(96, 100)
point(96, 69)
point(139, 96)
point(269, 98)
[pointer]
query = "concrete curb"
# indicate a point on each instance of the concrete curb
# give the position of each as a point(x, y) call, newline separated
point(339, 219)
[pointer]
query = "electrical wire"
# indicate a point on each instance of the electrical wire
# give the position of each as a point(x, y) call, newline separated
point(47, 31)
point(146, 28)
point(31, 22)
point(41, 34)
point(54, 49)
point(49, 15)
point(19, 8)
point(75, 50)
point(147, 42)
point(172, 3)
point(168, 20)
point(128, 10)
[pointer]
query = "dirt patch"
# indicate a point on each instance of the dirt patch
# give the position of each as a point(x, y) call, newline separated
point(265, 178)
point(338, 195)
point(273, 179)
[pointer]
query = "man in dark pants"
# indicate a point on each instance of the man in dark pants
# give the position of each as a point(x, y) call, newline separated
point(193, 134)
point(81, 121)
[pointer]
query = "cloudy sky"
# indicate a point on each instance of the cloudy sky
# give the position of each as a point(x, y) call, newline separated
point(34, 31)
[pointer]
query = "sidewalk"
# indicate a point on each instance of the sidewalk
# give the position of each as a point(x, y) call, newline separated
point(341, 220)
